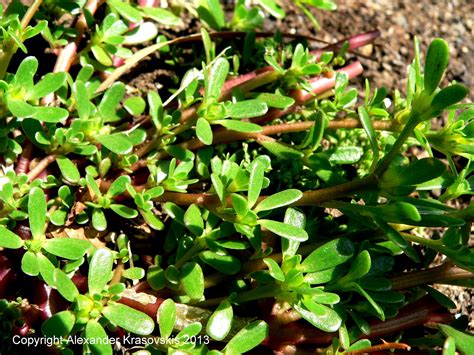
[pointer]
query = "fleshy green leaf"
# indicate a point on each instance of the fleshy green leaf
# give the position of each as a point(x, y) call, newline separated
point(9, 240)
point(166, 317)
point(437, 59)
point(116, 142)
point(226, 264)
point(60, 324)
point(50, 114)
point(29, 264)
point(49, 84)
point(220, 322)
point(37, 212)
point(322, 317)
point(280, 199)
point(25, 73)
point(369, 130)
point(192, 279)
point(217, 75)
point(118, 186)
point(284, 230)
point(134, 273)
point(162, 16)
point(100, 270)
point(276, 101)
point(68, 248)
point(124, 211)
point(247, 109)
point(100, 345)
point(108, 105)
point(257, 173)
point(129, 318)
point(65, 286)
point(193, 220)
point(328, 255)
point(204, 131)
point(360, 266)
point(274, 269)
point(68, 169)
point(20, 108)
point(273, 8)
point(282, 151)
point(464, 342)
point(247, 338)
point(240, 126)
point(99, 222)
point(46, 269)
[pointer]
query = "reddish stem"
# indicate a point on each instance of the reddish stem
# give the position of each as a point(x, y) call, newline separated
point(25, 158)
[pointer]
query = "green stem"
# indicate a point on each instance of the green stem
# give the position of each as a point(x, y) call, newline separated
point(267, 291)
point(434, 244)
point(198, 245)
point(387, 159)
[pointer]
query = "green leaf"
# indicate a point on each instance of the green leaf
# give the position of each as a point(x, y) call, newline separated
point(116, 142)
point(60, 324)
point(119, 186)
point(68, 248)
point(273, 8)
point(20, 108)
point(220, 322)
point(9, 240)
point(322, 317)
point(100, 270)
point(247, 109)
point(328, 255)
point(134, 273)
point(421, 170)
point(111, 99)
point(135, 105)
point(449, 346)
point(152, 220)
point(68, 169)
point(192, 279)
point(280, 199)
point(193, 220)
point(29, 264)
point(226, 264)
point(447, 97)
point(162, 16)
point(257, 173)
point(247, 338)
point(101, 55)
point(369, 130)
point(284, 230)
point(166, 317)
point(50, 114)
point(125, 10)
point(360, 266)
point(239, 203)
point(124, 211)
point(83, 105)
point(49, 84)
point(46, 269)
point(274, 269)
point(99, 222)
point(436, 62)
point(37, 212)
point(204, 131)
point(64, 285)
point(282, 151)
point(217, 76)
point(276, 101)
point(129, 318)
point(100, 345)
point(155, 276)
point(346, 155)
point(295, 218)
point(240, 126)
point(464, 341)
point(25, 73)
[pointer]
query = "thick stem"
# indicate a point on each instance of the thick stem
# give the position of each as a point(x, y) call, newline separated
point(25, 158)
point(30, 13)
point(439, 274)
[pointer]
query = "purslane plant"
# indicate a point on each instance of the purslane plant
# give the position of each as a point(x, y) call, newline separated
point(255, 203)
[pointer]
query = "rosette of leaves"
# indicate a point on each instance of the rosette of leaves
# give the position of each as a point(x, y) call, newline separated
point(91, 313)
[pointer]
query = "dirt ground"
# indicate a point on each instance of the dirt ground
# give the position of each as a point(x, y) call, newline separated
point(399, 21)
